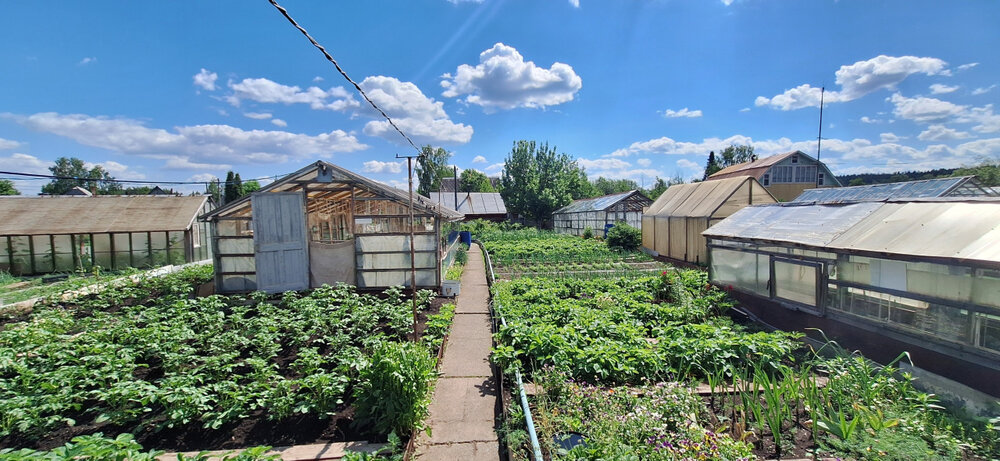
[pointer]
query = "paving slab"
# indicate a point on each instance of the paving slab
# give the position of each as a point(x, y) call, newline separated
point(467, 451)
point(463, 409)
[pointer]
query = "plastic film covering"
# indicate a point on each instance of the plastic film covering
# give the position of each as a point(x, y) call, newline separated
point(795, 282)
point(815, 225)
point(963, 186)
point(748, 271)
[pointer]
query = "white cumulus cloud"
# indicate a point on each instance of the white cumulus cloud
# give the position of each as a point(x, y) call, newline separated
point(375, 166)
point(857, 80)
point(670, 113)
point(983, 90)
point(8, 144)
point(279, 122)
point(479, 159)
point(968, 66)
point(263, 90)
point(889, 137)
point(215, 144)
point(922, 109)
point(869, 120)
point(257, 115)
point(205, 79)
point(938, 88)
point(504, 80)
point(941, 133)
point(422, 119)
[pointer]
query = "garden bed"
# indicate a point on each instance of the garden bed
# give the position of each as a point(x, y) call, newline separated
point(617, 364)
point(187, 373)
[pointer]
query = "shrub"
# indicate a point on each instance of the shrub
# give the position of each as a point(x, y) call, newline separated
point(461, 254)
point(624, 236)
point(588, 233)
point(394, 392)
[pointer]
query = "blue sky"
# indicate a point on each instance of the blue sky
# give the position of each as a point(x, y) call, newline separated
point(173, 91)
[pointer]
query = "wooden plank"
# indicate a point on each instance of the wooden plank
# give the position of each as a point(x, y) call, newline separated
point(312, 452)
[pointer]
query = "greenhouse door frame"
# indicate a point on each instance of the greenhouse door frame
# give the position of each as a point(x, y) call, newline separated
point(819, 308)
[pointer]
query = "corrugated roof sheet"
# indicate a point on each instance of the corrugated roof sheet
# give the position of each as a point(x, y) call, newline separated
point(698, 200)
point(952, 229)
point(962, 186)
point(471, 203)
point(83, 215)
point(756, 168)
point(597, 203)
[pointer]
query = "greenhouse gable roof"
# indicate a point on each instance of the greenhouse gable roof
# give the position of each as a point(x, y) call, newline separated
point(471, 203)
point(598, 203)
point(703, 199)
point(99, 214)
point(962, 186)
point(961, 229)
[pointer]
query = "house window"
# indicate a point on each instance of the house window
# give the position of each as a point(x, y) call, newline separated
point(781, 174)
point(821, 179)
point(767, 179)
point(795, 159)
point(805, 173)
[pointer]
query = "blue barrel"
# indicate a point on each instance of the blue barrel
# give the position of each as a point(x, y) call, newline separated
point(466, 237)
point(607, 227)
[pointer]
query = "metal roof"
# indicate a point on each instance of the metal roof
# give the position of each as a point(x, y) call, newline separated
point(940, 229)
point(100, 214)
point(962, 186)
point(471, 203)
point(600, 203)
point(703, 199)
point(756, 168)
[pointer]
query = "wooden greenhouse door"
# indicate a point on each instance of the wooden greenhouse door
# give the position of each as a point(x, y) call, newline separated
point(280, 241)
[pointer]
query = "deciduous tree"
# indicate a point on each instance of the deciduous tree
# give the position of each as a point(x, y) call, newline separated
point(536, 180)
point(7, 187)
point(432, 165)
point(474, 181)
point(75, 173)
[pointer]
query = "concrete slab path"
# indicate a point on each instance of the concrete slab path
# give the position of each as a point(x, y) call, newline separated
point(462, 412)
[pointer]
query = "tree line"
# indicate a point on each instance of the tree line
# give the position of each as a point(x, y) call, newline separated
point(536, 179)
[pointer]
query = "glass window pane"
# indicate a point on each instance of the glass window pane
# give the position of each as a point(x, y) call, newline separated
point(43, 253)
point(795, 282)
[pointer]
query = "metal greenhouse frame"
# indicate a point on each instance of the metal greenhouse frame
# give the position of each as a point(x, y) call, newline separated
point(596, 213)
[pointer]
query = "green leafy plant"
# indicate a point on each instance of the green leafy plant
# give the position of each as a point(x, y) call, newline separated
point(394, 389)
point(624, 237)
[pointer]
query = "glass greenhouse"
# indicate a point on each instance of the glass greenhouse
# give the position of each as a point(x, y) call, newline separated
point(67, 233)
point(596, 213)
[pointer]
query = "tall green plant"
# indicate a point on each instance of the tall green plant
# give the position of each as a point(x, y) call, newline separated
point(395, 386)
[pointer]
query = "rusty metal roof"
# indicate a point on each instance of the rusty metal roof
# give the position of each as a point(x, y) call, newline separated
point(100, 214)
point(756, 168)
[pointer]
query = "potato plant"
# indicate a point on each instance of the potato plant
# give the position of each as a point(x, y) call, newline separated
point(151, 356)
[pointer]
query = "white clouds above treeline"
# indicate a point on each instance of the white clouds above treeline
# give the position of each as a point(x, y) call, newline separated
point(857, 80)
point(190, 147)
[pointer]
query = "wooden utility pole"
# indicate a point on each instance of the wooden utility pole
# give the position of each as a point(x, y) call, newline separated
point(413, 252)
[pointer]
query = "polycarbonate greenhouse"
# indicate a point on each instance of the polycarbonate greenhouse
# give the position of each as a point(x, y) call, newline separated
point(67, 233)
point(924, 273)
point(672, 225)
point(322, 225)
point(596, 213)
point(961, 186)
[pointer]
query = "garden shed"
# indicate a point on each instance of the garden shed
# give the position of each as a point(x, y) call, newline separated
point(66, 233)
point(322, 225)
point(672, 225)
point(596, 213)
point(920, 275)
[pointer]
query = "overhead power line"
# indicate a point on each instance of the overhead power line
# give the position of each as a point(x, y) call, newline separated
point(287, 16)
point(125, 181)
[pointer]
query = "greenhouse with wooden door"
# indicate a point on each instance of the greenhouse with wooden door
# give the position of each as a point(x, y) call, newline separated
point(672, 225)
point(322, 225)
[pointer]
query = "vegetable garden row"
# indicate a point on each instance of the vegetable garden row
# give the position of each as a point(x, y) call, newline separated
point(173, 371)
point(653, 367)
